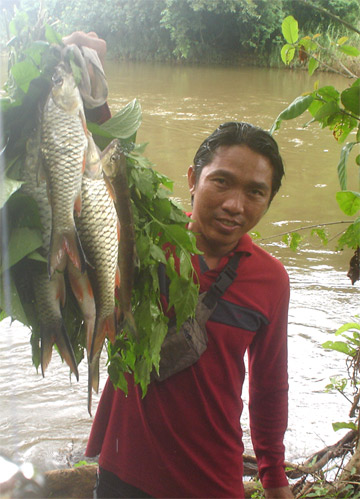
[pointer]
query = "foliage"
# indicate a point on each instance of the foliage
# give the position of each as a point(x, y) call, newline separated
point(193, 30)
point(339, 112)
point(332, 109)
point(159, 221)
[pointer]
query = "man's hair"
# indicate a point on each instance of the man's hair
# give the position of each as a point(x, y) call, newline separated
point(235, 133)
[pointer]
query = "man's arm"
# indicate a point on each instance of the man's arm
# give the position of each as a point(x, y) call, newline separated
point(90, 40)
point(268, 384)
point(279, 493)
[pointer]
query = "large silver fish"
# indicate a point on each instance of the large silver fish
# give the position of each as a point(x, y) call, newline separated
point(63, 145)
point(49, 293)
point(98, 229)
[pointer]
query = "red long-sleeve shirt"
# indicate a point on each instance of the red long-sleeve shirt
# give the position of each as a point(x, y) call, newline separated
point(184, 438)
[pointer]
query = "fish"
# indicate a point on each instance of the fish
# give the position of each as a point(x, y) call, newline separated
point(99, 232)
point(114, 164)
point(50, 294)
point(64, 144)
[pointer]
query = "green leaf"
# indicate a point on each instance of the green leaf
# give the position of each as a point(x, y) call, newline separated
point(183, 298)
point(23, 72)
point(350, 98)
point(292, 240)
point(295, 109)
point(340, 346)
point(23, 241)
point(156, 340)
point(313, 65)
point(328, 93)
point(349, 202)
point(52, 36)
point(35, 255)
point(7, 189)
point(351, 237)
point(349, 50)
point(347, 327)
point(341, 168)
point(126, 122)
point(157, 253)
point(287, 54)
point(36, 50)
point(10, 300)
point(342, 426)
point(342, 40)
point(321, 233)
point(327, 110)
point(290, 29)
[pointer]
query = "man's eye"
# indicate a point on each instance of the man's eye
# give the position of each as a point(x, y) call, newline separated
point(219, 180)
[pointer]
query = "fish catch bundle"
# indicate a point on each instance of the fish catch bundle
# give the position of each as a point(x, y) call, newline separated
point(64, 173)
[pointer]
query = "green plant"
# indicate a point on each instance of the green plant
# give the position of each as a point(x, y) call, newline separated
point(339, 111)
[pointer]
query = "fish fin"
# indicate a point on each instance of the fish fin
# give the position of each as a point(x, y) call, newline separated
point(77, 205)
point(82, 289)
point(97, 340)
point(63, 245)
point(63, 343)
point(57, 257)
point(93, 378)
point(104, 327)
point(110, 327)
point(74, 250)
point(47, 343)
point(117, 277)
point(60, 288)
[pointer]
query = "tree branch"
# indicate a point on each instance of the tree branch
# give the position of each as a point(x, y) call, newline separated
point(333, 16)
point(307, 227)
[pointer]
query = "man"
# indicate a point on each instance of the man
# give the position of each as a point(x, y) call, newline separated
point(184, 438)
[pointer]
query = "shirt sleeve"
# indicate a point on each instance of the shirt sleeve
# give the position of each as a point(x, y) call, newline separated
point(268, 395)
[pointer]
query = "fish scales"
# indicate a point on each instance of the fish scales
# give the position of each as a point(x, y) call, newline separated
point(49, 293)
point(99, 233)
point(64, 144)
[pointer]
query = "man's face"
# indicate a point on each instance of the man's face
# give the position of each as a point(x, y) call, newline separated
point(230, 197)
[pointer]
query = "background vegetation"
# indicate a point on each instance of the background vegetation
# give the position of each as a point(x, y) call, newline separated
point(208, 31)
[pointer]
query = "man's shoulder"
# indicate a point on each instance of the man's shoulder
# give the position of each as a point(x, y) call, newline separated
point(264, 260)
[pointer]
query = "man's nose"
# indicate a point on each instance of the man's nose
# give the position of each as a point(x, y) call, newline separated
point(234, 202)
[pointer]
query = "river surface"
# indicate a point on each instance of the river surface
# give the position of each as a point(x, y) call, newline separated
point(45, 421)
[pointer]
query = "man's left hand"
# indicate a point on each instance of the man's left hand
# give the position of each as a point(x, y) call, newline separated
point(279, 493)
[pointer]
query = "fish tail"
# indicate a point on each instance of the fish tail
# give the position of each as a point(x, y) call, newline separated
point(93, 378)
point(64, 245)
point(83, 292)
point(104, 327)
point(47, 343)
point(63, 343)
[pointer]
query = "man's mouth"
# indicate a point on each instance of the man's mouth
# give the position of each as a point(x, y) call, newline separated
point(228, 223)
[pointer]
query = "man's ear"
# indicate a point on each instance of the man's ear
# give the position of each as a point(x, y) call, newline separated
point(191, 179)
